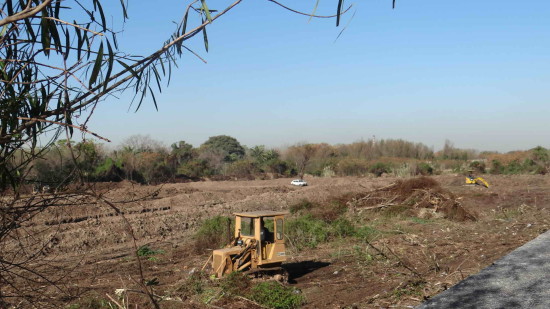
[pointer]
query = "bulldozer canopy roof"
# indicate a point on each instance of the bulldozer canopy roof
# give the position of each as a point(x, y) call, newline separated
point(261, 213)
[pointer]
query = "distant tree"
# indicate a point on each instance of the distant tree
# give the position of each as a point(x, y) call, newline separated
point(224, 144)
point(301, 155)
point(541, 156)
point(180, 153)
point(142, 143)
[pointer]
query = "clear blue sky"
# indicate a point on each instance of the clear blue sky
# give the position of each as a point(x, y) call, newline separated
point(474, 72)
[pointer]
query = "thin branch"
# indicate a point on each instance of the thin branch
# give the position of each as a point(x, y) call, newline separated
point(308, 14)
point(65, 125)
point(74, 25)
point(26, 13)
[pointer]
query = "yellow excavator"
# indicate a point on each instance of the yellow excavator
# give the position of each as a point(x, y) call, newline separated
point(472, 180)
point(258, 247)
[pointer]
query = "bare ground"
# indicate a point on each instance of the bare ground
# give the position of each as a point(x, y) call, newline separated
point(409, 259)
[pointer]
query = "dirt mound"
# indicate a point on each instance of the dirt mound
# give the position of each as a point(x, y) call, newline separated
point(423, 196)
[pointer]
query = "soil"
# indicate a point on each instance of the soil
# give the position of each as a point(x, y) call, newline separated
point(411, 256)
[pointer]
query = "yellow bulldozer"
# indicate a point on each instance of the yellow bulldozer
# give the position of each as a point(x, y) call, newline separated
point(472, 180)
point(258, 247)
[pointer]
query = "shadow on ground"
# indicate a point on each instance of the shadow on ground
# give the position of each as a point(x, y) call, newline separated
point(299, 269)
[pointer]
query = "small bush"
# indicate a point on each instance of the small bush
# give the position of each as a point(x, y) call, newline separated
point(236, 283)
point(424, 169)
point(514, 168)
point(306, 231)
point(145, 251)
point(342, 227)
point(213, 234)
point(380, 168)
point(196, 284)
point(273, 295)
point(497, 168)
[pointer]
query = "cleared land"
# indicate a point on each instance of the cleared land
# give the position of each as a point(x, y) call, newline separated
point(409, 252)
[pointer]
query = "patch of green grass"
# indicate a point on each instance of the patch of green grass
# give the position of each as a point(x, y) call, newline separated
point(146, 251)
point(274, 295)
point(342, 227)
point(367, 233)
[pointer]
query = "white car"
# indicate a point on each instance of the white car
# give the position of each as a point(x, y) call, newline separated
point(298, 182)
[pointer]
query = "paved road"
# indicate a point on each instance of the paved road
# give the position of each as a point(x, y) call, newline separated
point(521, 279)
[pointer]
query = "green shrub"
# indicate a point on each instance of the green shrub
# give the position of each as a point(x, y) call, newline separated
point(342, 227)
point(145, 251)
point(497, 168)
point(196, 284)
point(514, 168)
point(214, 233)
point(236, 283)
point(380, 168)
point(540, 154)
point(274, 295)
point(424, 169)
point(306, 231)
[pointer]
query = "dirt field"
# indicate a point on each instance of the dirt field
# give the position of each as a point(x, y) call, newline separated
point(419, 257)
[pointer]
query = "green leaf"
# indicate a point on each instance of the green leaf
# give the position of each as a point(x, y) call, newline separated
point(4, 30)
point(127, 67)
point(338, 11)
point(110, 67)
point(206, 10)
point(154, 99)
point(205, 38)
point(45, 35)
point(157, 77)
point(67, 44)
point(103, 22)
point(80, 42)
point(185, 22)
point(124, 12)
point(97, 65)
point(57, 8)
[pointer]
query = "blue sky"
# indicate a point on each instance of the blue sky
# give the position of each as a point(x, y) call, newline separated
point(474, 72)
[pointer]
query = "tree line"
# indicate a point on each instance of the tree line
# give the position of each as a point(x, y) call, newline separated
point(145, 160)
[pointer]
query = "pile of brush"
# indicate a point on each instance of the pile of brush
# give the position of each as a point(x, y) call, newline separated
point(424, 196)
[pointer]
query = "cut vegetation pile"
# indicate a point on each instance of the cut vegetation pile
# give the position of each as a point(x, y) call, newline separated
point(423, 196)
